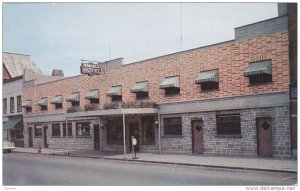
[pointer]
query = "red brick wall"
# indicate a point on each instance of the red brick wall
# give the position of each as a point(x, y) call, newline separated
point(5, 74)
point(231, 58)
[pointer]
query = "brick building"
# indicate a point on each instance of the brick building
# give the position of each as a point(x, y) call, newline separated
point(230, 98)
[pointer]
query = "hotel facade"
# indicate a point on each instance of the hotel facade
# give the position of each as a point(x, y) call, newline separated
point(230, 98)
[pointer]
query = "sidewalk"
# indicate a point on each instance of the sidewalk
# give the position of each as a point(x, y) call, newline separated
point(264, 164)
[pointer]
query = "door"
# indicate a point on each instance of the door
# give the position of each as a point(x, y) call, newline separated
point(197, 136)
point(96, 137)
point(45, 136)
point(134, 131)
point(264, 137)
point(30, 141)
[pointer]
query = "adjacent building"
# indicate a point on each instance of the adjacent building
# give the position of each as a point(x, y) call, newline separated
point(230, 98)
point(13, 69)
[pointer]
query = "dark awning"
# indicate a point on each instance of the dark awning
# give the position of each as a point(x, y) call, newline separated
point(12, 122)
point(114, 91)
point(73, 97)
point(94, 94)
point(42, 102)
point(261, 67)
point(208, 76)
point(140, 87)
point(27, 104)
point(56, 100)
point(170, 82)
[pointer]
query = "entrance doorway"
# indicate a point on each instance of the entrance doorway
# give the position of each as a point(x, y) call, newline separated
point(45, 136)
point(264, 137)
point(197, 136)
point(134, 131)
point(96, 137)
point(30, 141)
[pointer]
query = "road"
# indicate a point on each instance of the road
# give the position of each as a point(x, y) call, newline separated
point(32, 169)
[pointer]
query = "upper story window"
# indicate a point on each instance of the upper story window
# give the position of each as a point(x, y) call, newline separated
point(43, 104)
point(259, 72)
point(170, 85)
point(141, 90)
point(173, 126)
point(229, 124)
point(12, 105)
point(5, 105)
point(93, 96)
point(57, 101)
point(115, 92)
point(19, 103)
point(74, 99)
point(27, 105)
point(209, 80)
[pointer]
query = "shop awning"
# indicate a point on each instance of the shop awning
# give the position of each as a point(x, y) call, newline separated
point(42, 102)
point(94, 94)
point(208, 76)
point(140, 87)
point(56, 100)
point(73, 97)
point(27, 104)
point(170, 82)
point(261, 67)
point(12, 122)
point(114, 91)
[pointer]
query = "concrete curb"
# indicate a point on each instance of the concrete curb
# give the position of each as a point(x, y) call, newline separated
point(208, 166)
point(162, 162)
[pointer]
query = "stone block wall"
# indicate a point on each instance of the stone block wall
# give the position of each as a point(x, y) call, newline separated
point(243, 145)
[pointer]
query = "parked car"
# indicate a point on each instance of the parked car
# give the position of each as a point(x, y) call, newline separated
point(8, 146)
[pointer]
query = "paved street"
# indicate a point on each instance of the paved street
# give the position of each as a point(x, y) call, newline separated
point(33, 169)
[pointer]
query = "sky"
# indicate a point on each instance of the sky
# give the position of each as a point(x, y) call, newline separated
point(60, 35)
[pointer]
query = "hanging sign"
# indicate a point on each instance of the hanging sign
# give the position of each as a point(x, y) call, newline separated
point(91, 69)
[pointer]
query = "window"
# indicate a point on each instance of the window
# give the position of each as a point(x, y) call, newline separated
point(260, 79)
point(75, 103)
point(83, 129)
point(142, 95)
point(56, 130)
point(94, 101)
point(172, 126)
point(229, 124)
point(115, 131)
point(19, 103)
point(116, 98)
point(12, 105)
point(38, 131)
point(58, 106)
point(172, 91)
point(148, 130)
point(70, 133)
point(207, 86)
point(28, 109)
point(5, 106)
point(44, 108)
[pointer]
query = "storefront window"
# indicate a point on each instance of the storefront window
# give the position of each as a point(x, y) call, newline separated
point(229, 124)
point(148, 130)
point(172, 126)
point(38, 131)
point(69, 130)
point(115, 131)
point(56, 130)
point(83, 129)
